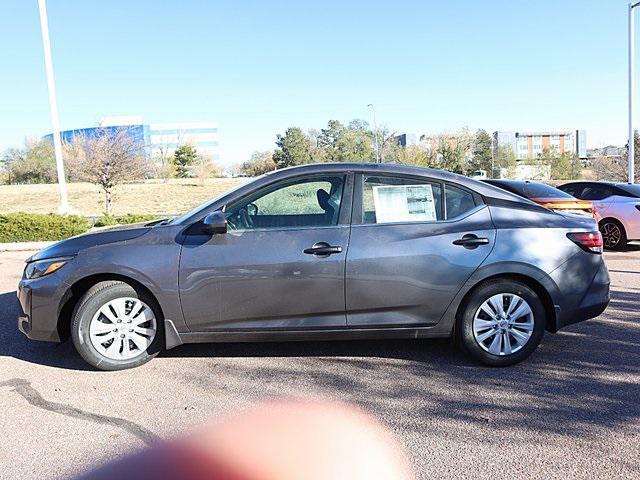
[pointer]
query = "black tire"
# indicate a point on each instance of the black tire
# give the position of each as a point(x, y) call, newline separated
point(97, 296)
point(464, 326)
point(607, 228)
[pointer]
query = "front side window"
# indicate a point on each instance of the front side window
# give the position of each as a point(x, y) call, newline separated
point(396, 199)
point(308, 202)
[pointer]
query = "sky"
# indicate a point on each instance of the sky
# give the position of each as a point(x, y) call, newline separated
point(258, 67)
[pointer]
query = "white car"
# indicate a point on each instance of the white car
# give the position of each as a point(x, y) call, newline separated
point(479, 175)
point(617, 209)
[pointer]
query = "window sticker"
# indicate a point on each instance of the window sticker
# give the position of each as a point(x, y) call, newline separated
point(404, 203)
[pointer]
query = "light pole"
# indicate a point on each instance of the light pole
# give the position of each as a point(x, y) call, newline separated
point(53, 106)
point(631, 151)
point(375, 133)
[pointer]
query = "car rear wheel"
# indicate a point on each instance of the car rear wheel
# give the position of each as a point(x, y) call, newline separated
point(502, 322)
point(614, 236)
point(114, 326)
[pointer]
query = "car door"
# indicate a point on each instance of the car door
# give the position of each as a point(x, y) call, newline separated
point(279, 266)
point(414, 242)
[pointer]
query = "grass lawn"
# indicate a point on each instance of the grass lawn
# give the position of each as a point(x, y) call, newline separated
point(149, 197)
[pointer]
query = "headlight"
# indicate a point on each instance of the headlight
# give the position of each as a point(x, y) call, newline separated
point(41, 268)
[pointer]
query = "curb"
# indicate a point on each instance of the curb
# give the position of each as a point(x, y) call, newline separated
point(24, 246)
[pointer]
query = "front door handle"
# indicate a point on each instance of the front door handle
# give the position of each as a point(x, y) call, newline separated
point(322, 249)
point(471, 241)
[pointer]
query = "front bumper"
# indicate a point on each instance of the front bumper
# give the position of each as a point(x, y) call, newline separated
point(24, 298)
point(39, 302)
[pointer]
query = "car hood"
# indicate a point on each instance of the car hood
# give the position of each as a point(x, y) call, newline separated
point(71, 246)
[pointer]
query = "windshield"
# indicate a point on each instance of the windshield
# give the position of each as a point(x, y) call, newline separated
point(190, 213)
point(633, 190)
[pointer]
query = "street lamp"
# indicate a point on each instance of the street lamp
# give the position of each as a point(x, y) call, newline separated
point(53, 107)
point(631, 152)
point(375, 133)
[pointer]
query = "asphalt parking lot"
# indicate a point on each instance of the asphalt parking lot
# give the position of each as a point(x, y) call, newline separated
point(572, 410)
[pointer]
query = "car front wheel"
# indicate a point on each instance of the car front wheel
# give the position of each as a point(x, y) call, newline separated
point(502, 323)
point(114, 326)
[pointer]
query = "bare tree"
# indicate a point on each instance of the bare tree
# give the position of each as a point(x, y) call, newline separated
point(609, 168)
point(259, 163)
point(451, 151)
point(415, 155)
point(107, 157)
point(162, 156)
point(206, 168)
point(386, 143)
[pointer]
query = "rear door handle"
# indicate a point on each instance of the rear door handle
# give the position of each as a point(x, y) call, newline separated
point(322, 249)
point(471, 241)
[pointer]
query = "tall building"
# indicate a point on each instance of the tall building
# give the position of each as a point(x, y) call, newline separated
point(529, 145)
point(203, 136)
point(157, 137)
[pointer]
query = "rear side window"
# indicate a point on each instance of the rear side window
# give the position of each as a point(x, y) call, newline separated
point(542, 190)
point(458, 201)
point(573, 189)
point(596, 192)
point(396, 199)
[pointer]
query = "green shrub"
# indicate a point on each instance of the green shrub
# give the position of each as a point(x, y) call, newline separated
point(27, 227)
point(107, 220)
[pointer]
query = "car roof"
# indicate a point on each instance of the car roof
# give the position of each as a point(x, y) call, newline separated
point(507, 181)
point(597, 182)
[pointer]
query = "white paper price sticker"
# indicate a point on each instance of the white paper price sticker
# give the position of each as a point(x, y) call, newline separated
point(404, 203)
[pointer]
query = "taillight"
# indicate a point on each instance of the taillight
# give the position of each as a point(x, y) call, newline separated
point(589, 241)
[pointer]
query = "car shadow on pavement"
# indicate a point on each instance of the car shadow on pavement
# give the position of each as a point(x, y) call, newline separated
point(580, 380)
point(14, 344)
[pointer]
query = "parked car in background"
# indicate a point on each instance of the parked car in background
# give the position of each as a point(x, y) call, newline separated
point(616, 206)
point(546, 195)
point(320, 252)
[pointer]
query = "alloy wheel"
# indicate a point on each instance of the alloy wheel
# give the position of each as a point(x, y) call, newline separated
point(503, 324)
point(123, 328)
point(611, 234)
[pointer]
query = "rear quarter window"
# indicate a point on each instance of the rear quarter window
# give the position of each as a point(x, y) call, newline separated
point(458, 201)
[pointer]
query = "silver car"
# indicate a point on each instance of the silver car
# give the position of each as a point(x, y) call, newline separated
point(321, 252)
point(617, 209)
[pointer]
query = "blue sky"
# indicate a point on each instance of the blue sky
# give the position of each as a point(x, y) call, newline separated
point(257, 67)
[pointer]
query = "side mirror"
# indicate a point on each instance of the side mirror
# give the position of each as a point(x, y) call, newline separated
point(215, 222)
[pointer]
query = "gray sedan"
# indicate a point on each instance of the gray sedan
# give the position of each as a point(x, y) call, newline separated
point(321, 252)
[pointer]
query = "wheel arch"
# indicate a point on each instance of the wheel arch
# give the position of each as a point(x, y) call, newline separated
point(614, 220)
point(75, 292)
point(610, 219)
point(531, 282)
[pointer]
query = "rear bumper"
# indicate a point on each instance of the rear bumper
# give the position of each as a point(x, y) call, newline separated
point(592, 304)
